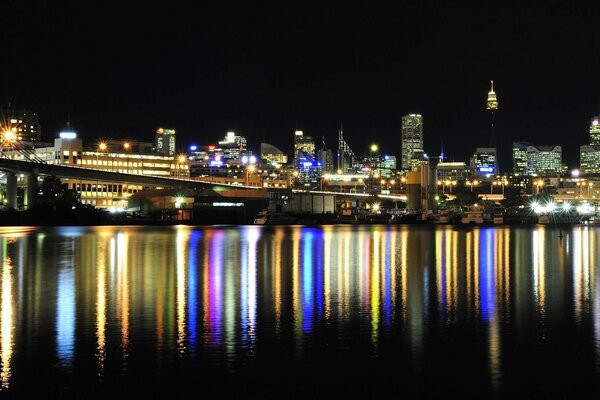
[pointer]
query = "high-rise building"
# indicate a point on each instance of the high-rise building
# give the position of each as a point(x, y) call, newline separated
point(345, 156)
point(234, 147)
point(491, 107)
point(165, 141)
point(589, 159)
point(412, 137)
point(519, 157)
point(484, 161)
point(544, 159)
point(325, 158)
point(304, 148)
point(23, 123)
point(595, 131)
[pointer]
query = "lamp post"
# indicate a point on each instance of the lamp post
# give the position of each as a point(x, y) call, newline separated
point(127, 148)
point(249, 169)
point(181, 161)
point(102, 146)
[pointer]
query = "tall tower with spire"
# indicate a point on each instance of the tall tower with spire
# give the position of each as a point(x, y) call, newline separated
point(492, 106)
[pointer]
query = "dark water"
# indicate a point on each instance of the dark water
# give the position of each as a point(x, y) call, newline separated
point(331, 312)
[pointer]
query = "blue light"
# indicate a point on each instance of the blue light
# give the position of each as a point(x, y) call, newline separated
point(487, 169)
point(245, 160)
point(216, 163)
point(386, 157)
point(307, 164)
point(252, 159)
point(193, 148)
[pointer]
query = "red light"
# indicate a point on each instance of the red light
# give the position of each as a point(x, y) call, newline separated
point(211, 147)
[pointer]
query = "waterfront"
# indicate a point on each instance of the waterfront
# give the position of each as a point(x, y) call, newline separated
point(342, 311)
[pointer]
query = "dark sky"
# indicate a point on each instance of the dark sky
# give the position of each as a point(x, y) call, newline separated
point(121, 71)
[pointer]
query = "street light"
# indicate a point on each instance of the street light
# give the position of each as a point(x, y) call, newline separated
point(127, 148)
point(102, 146)
point(181, 160)
point(539, 183)
point(249, 169)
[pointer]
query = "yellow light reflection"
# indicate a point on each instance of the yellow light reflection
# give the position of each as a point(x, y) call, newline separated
point(101, 305)
point(7, 323)
point(376, 238)
point(123, 290)
point(327, 254)
point(181, 240)
point(539, 269)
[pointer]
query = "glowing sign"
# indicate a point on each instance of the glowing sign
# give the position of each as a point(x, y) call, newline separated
point(68, 135)
point(486, 169)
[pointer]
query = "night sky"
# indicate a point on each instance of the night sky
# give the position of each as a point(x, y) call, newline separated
point(120, 72)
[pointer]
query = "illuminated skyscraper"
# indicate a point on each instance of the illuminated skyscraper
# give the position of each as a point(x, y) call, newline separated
point(165, 141)
point(492, 106)
point(595, 132)
point(412, 137)
point(304, 148)
point(519, 156)
point(492, 100)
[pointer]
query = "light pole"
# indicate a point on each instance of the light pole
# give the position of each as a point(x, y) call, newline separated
point(250, 168)
point(127, 148)
point(102, 146)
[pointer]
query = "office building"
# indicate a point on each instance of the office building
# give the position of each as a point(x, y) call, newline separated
point(544, 159)
point(304, 148)
point(454, 171)
point(589, 159)
point(412, 137)
point(519, 158)
point(234, 148)
point(595, 131)
point(165, 141)
point(271, 154)
point(22, 123)
point(484, 161)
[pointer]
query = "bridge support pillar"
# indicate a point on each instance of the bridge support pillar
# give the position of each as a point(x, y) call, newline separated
point(32, 187)
point(11, 190)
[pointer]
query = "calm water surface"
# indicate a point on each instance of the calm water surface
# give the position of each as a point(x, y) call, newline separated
point(334, 311)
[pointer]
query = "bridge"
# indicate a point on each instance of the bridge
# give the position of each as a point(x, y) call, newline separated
point(12, 168)
point(33, 169)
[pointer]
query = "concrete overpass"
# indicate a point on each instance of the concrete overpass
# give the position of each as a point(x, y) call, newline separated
point(12, 168)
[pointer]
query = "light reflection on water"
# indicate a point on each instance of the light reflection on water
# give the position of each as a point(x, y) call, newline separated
point(225, 298)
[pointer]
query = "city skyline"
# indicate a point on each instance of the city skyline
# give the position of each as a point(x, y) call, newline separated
point(265, 75)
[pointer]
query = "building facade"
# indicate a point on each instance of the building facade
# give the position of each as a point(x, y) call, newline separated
point(165, 141)
point(304, 148)
point(595, 132)
point(589, 159)
point(519, 158)
point(484, 161)
point(271, 154)
point(412, 137)
point(544, 159)
point(23, 124)
point(455, 171)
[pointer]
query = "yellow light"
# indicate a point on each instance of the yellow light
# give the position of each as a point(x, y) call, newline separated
point(383, 182)
point(374, 148)
point(339, 171)
point(392, 182)
point(9, 136)
point(126, 145)
point(102, 146)
point(182, 158)
point(251, 168)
